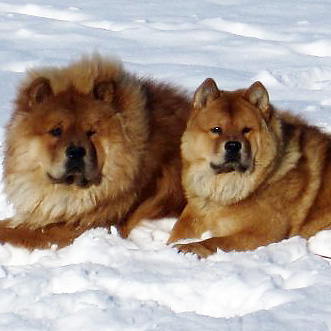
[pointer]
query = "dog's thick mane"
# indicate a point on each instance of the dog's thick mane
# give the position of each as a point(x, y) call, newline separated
point(54, 201)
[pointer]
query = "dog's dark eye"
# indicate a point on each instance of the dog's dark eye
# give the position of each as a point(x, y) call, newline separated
point(90, 133)
point(216, 130)
point(56, 132)
point(246, 130)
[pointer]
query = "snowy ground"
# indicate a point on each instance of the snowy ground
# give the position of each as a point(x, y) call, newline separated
point(103, 282)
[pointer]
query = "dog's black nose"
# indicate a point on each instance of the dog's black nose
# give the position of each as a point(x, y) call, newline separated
point(232, 147)
point(75, 152)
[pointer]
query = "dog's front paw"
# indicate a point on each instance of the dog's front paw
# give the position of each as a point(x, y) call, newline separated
point(197, 248)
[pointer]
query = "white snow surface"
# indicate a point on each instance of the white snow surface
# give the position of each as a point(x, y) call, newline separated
point(103, 282)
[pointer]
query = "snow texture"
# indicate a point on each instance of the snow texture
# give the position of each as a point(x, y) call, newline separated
point(103, 282)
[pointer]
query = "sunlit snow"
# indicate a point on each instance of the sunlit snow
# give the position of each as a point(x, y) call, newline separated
point(103, 282)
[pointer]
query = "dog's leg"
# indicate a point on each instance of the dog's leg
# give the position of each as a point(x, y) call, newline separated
point(242, 241)
point(40, 238)
point(166, 201)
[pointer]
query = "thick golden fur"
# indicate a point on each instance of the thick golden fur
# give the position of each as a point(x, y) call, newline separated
point(91, 145)
point(276, 186)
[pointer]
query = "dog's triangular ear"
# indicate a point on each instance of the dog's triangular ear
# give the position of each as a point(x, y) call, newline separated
point(205, 93)
point(104, 91)
point(258, 96)
point(39, 90)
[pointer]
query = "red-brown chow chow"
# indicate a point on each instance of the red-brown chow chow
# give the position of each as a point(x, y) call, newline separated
point(91, 145)
point(252, 175)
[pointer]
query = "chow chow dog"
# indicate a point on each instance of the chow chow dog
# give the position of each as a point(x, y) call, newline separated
point(252, 175)
point(91, 145)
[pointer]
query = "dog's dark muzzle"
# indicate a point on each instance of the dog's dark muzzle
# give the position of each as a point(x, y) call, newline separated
point(80, 168)
point(236, 158)
point(75, 159)
point(232, 151)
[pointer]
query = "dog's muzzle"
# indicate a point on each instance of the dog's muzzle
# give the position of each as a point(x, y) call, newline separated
point(233, 159)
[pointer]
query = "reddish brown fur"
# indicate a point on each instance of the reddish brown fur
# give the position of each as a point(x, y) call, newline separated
point(285, 190)
point(129, 130)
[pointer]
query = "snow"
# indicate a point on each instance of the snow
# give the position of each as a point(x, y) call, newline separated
point(103, 282)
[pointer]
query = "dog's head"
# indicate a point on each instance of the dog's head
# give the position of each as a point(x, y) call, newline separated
point(76, 137)
point(228, 140)
point(66, 130)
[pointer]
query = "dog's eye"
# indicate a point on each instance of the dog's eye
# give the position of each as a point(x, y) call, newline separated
point(246, 130)
point(56, 132)
point(90, 133)
point(216, 130)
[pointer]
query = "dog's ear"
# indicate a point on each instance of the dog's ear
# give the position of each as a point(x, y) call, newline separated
point(39, 90)
point(257, 95)
point(104, 91)
point(205, 93)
